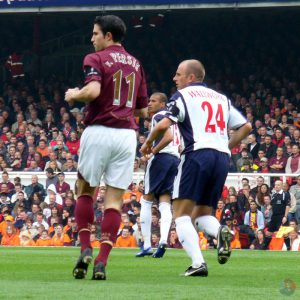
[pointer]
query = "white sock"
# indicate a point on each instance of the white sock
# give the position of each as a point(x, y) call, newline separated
point(208, 224)
point(146, 218)
point(189, 239)
point(165, 221)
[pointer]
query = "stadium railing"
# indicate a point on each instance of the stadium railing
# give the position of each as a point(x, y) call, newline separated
point(233, 179)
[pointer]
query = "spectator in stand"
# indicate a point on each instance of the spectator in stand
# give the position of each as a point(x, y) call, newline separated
point(287, 142)
point(296, 137)
point(254, 220)
point(49, 124)
point(253, 146)
point(51, 177)
point(268, 147)
point(155, 237)
point(73, 143)
point(40, 221)
point(264, 168)
point(59, 148)
point(34, 117)
point(278, 163)
point(137, 232)
point(262, 191)
point(266, 209)
point(295, 191)
point(21, 201)
point(55, 212)
point(294, 241)
point(60, 238)
point(39, 160)
point(23, 151)
point(173, 240)
point(278, 139)
point(61, 186)
point(53, 158)
point(20, 219)
point(42, 148)
point(262, 133)
point(3, 149)
point(292, 211)
point(10, 238)
point(19, 122)
point(44, 240)
point(284, 124)
point(136, 166)
point(259, 182)
point(94, 242)
point(259, 243)
point(261, 154)
point(26, 239)
point(126, 239)
point(245, 156)
point(235, 242)
point(219, 212)
point(55, 199)
point(8, 221)
point(5, 180)
point(293, 162)
point(69, 166)
point(18, 188)
point(32, 214)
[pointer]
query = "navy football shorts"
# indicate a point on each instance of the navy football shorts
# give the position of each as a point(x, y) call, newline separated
point(160, 174)
point(201, 176)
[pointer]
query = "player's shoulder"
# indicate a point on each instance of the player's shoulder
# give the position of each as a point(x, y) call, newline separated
point(160, 114)
point(177, 95)
point(92, 58)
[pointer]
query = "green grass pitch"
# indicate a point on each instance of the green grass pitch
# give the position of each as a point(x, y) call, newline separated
point(45, 273)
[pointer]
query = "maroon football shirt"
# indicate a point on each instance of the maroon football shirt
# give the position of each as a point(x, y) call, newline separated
point(123, 87)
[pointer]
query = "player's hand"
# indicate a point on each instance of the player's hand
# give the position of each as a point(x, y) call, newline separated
point(146, 148)
point(146, 157)
point(70, 94)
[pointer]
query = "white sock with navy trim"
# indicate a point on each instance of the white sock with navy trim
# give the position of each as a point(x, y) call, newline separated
point(146, 219)
point(189, 239)
point(208, 224)
point(165, 221)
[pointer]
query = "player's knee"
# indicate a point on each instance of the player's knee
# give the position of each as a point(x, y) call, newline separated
point(83, 188)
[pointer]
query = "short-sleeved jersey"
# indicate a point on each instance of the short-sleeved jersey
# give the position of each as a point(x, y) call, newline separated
point(172, 147)
point(123, 87)
point(203, 116)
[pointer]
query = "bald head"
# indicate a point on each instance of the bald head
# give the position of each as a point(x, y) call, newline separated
point(189, 71)
point(195, 67)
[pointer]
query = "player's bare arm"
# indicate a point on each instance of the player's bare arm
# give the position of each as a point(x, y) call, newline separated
point(87, 94)
point(239, 135)
point(166, 140)
point(157, 131)
point(142, 113)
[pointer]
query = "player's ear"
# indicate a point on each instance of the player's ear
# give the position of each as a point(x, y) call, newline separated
point(109, 36)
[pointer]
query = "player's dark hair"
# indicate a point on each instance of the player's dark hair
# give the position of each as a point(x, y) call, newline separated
point(112, 24)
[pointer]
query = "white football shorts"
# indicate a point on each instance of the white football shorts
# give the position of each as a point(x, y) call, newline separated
point(107, 152)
